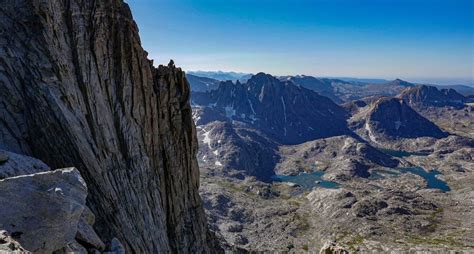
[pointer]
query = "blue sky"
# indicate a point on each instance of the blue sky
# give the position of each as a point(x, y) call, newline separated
point(417, 40)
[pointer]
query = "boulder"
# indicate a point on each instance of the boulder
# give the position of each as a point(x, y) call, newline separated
point(12, 164)
point(332, 248)
point(87, 236)
point(8, 244)
point(41, 211)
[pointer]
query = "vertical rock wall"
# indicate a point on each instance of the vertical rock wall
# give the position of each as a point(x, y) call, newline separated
point(76, 89)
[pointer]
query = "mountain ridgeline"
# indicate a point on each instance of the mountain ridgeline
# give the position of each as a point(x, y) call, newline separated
point(289, 113)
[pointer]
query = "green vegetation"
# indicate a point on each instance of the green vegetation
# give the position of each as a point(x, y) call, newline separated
point(305, 247)
point(302, 223)
point(354, 242)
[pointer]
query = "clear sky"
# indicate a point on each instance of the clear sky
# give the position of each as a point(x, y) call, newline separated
point(417, 40)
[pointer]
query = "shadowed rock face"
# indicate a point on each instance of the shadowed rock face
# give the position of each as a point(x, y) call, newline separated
point(394, 118)
point(76, 89)
point(288, 113)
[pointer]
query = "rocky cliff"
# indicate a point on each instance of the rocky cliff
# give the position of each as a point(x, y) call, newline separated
point(77, 89)
point(288, 113)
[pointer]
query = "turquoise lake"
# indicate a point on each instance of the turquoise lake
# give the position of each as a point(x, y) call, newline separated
point(307, 181)
point(430, 176)
point(401, 154)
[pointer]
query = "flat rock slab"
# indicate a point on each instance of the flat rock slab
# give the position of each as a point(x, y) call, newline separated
point(12, 164)
point(41, 211)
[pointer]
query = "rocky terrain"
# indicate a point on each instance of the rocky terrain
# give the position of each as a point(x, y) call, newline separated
point(77, 90)
point(101, 152)
point(392, 184)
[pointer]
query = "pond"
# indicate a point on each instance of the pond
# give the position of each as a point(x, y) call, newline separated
point(432, 181)
point(401, 154)
point(307, 181)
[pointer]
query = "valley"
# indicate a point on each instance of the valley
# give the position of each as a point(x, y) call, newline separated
point(388, 176)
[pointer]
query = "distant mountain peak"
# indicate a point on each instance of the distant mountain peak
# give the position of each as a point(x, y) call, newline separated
point(423, 95)
point(400, 82)
point(285, 111)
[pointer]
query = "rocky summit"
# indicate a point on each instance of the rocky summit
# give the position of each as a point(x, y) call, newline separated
point(391, 118)
point(288, 113)
point(425, 96)
point(77, 89)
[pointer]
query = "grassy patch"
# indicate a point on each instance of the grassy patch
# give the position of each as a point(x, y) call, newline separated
point(305, 247)
point(354, 242)
point(302, 221)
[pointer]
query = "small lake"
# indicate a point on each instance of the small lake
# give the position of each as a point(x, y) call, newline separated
point(401, 154)
point(307, 181)
point(432, 181)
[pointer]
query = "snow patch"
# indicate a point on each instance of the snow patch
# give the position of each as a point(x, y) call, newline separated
point(398, 124)
point(207, 139)
point(370, 133)
point(284, 113)
point(229, 112)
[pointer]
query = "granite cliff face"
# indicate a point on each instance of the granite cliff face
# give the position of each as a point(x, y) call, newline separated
point(77, 89)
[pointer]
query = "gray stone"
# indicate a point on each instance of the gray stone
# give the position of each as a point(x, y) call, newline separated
point(116, 247)
point(87, 236)
point(72, 247)
point(41, 211)
point(3, 157)
point(18, 164)
point(77, 89)
point(332, 248)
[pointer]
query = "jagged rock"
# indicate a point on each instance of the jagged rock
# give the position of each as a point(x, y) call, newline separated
point(41, 211)
point(332, 248)
point(77, 89)
point(18, 164)
point(72, 247)
point(87, 236)
point(88, 216)
point(9, 245)
point(288, 113)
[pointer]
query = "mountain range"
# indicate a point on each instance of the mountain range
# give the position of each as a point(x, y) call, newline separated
point(102, 152)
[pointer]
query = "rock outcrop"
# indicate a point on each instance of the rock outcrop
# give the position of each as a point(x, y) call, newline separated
point(15, 165)
point(41, 211)
point(332, 248)
point(392, 118)
point(77, 89)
